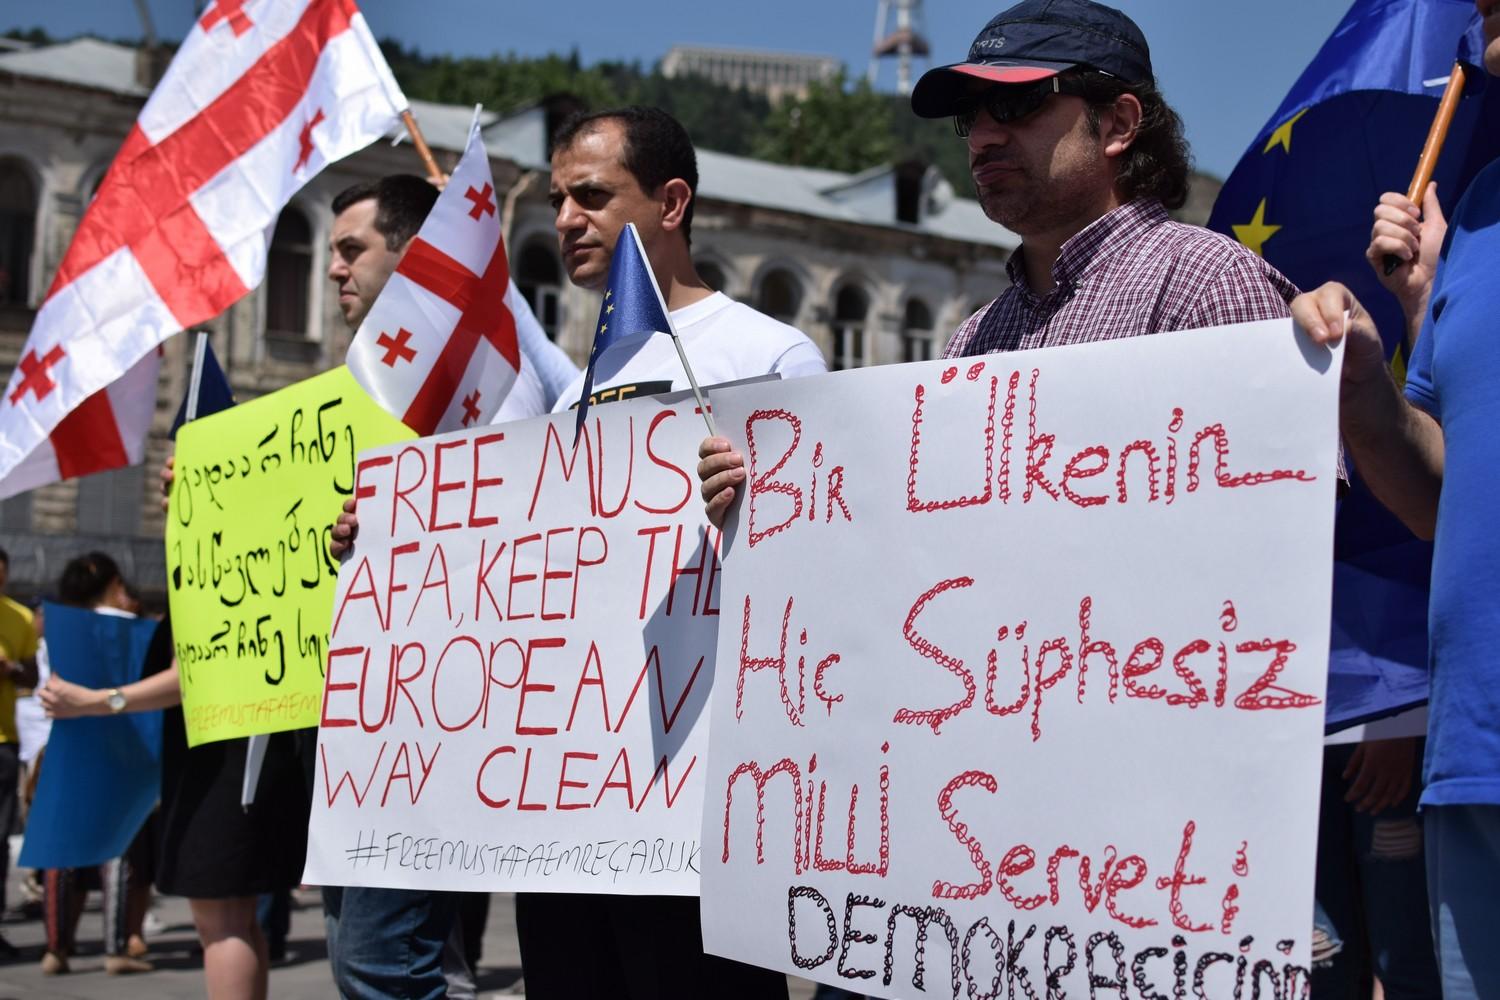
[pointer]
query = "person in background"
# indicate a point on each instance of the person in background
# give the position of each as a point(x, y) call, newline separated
point(1428, 451)
point(213, 851)
point(18, 642)
point(34, 726)
point(93, 581)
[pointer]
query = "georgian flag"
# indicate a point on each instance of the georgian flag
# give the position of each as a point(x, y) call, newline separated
point(438, 349)
point(262, 94)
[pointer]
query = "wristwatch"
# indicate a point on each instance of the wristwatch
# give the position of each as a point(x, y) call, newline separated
point(115, 699)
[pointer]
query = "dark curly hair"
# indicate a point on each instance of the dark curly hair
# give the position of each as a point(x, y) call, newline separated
point(1158, 163)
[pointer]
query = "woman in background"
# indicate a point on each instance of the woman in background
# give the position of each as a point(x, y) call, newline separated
point(93, 581)
point(218, 854)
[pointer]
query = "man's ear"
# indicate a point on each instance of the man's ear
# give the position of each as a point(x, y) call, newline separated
point(675, 196)
point(1119, 126)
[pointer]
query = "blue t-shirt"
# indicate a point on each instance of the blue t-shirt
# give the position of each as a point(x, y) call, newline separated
point(1455, 376)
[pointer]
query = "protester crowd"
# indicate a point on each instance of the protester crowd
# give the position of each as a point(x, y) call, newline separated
point(1074, 149)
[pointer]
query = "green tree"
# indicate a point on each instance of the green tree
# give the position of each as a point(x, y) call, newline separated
point(33, 36)
point(931, 140)
point(726, 119)
point(835, 127)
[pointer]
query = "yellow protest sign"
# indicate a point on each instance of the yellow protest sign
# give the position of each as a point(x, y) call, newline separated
point(250, 582)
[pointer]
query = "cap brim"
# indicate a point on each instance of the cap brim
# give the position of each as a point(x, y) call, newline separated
point(942, 89)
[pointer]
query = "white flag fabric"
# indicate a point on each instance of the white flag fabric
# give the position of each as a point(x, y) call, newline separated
point(439, 348)
point(262, 94)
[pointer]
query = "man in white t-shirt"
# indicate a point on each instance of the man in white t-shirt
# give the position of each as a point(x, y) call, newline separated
point(637, 165)
point(608, 168)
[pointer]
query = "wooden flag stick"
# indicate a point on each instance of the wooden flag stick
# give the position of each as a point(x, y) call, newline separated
point(420, 143)
point(1433, 148)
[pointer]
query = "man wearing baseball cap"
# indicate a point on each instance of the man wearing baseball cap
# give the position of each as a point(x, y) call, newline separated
point(1073, 148)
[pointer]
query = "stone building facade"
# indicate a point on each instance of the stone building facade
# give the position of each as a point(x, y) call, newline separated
point(775, 74)
point(877, 267)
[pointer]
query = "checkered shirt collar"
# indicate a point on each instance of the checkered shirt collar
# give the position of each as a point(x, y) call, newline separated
point(1093, 244)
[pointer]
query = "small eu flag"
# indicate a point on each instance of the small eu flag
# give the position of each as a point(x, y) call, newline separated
point(632, 305)
point(212, 388)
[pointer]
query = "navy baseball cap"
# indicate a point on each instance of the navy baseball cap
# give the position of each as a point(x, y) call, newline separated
point(1034, 40)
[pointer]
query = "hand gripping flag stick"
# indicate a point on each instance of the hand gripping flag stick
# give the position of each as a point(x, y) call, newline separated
point(1432, 148)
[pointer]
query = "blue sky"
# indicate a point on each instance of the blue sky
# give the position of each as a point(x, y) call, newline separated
point(1224, 64)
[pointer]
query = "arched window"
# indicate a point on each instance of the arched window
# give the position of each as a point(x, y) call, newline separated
point(712, 274)
point(851, 311)
point(18, 200)
point(780, 296)
point(289, 281)
point(539, 279)
point(916, 332)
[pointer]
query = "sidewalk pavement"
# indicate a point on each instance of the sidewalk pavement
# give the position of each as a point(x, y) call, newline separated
point(303, 975)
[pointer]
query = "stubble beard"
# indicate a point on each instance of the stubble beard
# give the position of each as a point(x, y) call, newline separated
point(1024, 209)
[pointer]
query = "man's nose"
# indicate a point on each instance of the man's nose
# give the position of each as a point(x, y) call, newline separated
point(568, 216)
point(987, 132)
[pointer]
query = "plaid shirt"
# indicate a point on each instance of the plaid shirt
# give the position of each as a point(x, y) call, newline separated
point(1130, 272)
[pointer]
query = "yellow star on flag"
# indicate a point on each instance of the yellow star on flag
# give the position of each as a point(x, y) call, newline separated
point(607, 293)
point(1283, 135)
point(1255, 232)
point(609, 309)
point(603, 327)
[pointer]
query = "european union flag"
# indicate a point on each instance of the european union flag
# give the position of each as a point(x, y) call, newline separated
point(214, 393)
point(632, 306)
point(1350, 129)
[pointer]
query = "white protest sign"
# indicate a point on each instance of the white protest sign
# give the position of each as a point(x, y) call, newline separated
point(520, 663)
point(1021, 671)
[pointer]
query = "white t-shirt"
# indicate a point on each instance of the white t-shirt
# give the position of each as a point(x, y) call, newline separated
point(31, 718)
point(724, 341)
point(545, 372)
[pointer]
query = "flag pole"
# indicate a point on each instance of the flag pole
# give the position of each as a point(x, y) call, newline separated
point(419, 142)
point(255, 747)
point(195, 380)
point(708, 417)
point(1432, 148)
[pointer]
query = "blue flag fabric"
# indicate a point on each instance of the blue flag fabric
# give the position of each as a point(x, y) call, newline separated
point(1351, 128)
point(214, 393)
point(103, 774)
point(632, 307)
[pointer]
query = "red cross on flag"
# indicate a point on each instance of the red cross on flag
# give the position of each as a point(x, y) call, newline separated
point(439, 347)
point(261, 95)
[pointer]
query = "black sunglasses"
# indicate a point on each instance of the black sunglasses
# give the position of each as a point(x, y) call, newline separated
point(1011, 102)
